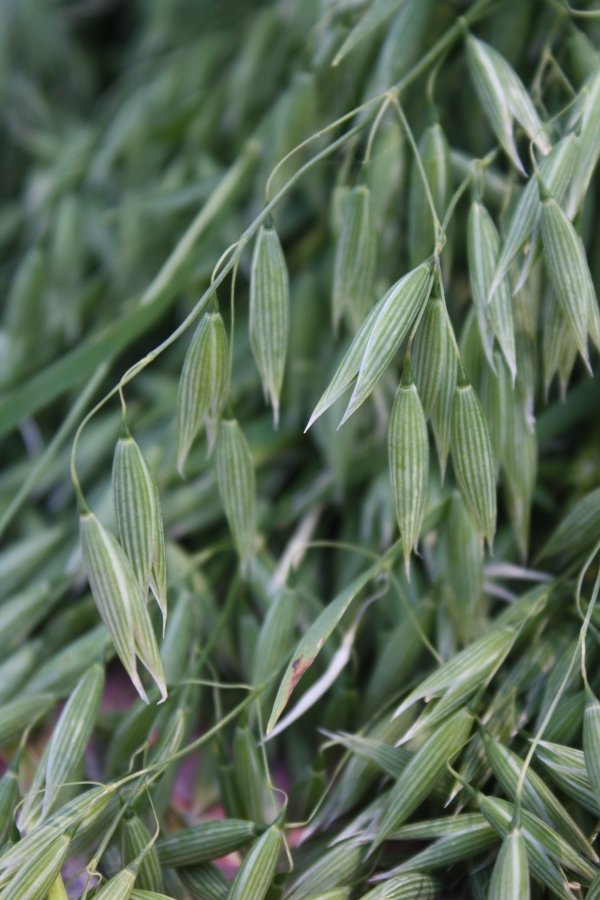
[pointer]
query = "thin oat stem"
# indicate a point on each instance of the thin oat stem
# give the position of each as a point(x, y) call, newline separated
point(375, 128)
point(479, 166)
point(201, 304)
point(318, 134)
point(419, 164)
point(167, 271)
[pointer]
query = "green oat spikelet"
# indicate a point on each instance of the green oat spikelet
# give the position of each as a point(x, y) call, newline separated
point(355, 257)
point(403, 304)
point(235, 480)
point(473, 459)
point(408, 453)
point(269, 313)
point(119, 601)
point(139, 519)
point(203, 386)
point(510, 877)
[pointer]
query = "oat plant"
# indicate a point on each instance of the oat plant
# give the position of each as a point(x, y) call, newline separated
point(300, 481)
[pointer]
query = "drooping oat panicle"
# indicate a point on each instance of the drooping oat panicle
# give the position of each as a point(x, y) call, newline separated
point(568, 269)
point(494, 311)
point(235, 480)
point(136, 841)
point(203, 385)
point(404, 302)
point(72, 733)
point(504, 98)
point(556, 170)
point(408, 456)
point(435, 157)
point(255, 875)
point(204, 842)
point(510, 877)
point(118, 598)
point(425, 768)
point(269, 313)
point(435, 367)
point(473, 459)
point(355, 255)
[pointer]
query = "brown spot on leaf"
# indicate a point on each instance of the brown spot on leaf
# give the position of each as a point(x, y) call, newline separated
point(299, 666)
